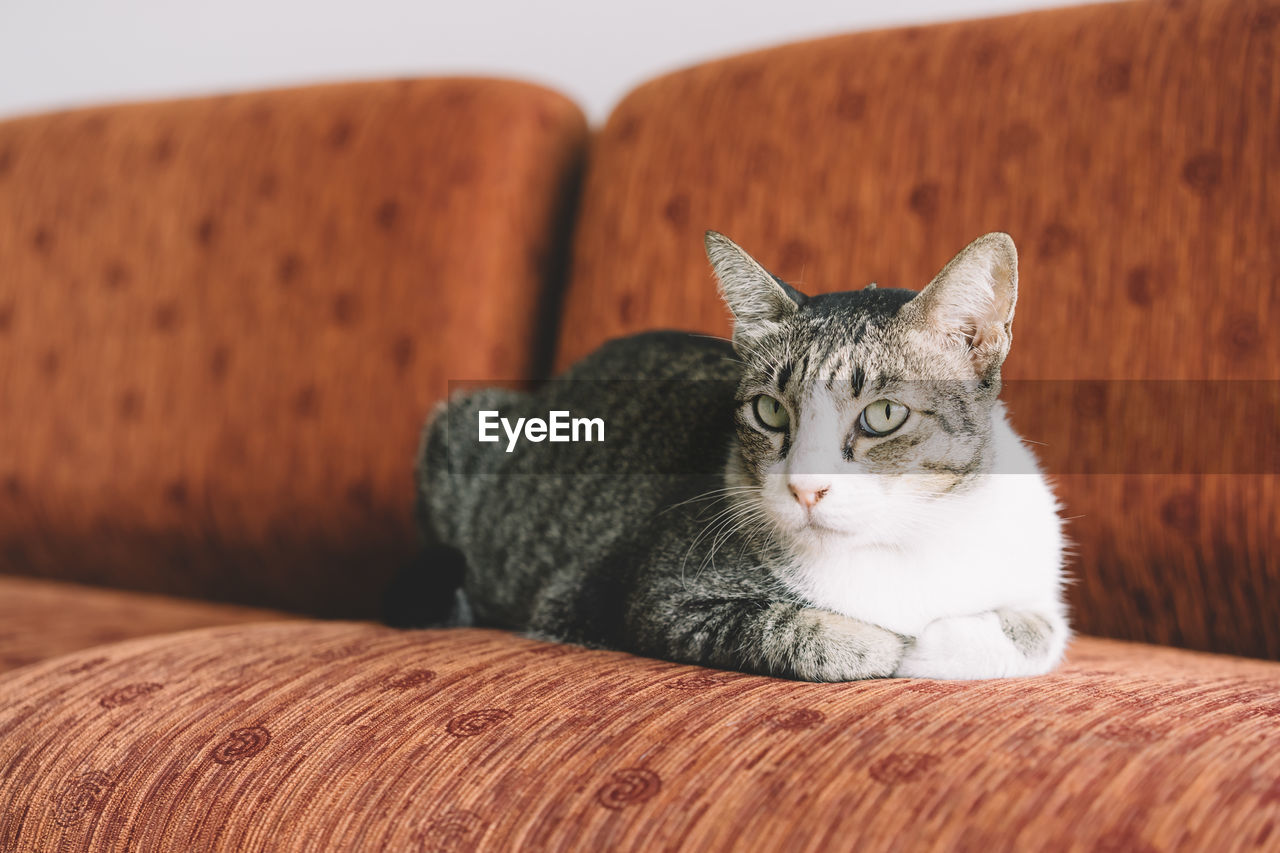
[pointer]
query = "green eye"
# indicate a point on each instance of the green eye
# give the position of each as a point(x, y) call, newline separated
point(883, 417)
point(772, 414)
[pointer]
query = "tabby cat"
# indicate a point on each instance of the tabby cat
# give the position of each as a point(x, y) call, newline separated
point(836, 494)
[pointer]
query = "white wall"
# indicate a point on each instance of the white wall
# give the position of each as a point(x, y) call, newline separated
point(57, 53)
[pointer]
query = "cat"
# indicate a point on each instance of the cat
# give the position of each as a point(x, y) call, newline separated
point(836, 494)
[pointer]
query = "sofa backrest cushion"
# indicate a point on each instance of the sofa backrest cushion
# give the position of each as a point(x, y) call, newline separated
point(223, 321)
point(1133, 152)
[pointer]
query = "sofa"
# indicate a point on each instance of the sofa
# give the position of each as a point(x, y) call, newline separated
point(224, 320)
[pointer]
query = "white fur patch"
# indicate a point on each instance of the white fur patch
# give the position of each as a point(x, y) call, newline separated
point(882, 549)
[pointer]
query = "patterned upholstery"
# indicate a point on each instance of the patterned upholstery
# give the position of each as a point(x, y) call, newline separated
point(223, 321)
point(1131, 150)
point(42, 619)
point(312, 736)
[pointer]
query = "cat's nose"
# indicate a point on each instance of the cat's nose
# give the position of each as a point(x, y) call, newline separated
point(806, 494)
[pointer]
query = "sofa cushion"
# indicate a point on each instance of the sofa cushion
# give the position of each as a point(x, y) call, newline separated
point(223, 322)
point(348, 736)
point(41, 619)
point(1131, 151)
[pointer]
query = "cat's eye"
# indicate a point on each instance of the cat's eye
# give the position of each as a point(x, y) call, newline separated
point(771, 413)
point(883, 417)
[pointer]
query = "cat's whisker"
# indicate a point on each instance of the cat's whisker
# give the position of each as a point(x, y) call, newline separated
point(722, 493)
point(722, 513)
point(726, 528)
point(766, 524)
point(723, 518)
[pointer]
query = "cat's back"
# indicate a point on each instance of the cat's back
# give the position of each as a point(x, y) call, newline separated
point(660, 355)
point(528, 513)
point(653, 404)
point(665, 401)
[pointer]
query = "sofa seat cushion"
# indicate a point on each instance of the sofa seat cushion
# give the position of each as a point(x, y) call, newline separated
point(326, 736)
point(42, 619)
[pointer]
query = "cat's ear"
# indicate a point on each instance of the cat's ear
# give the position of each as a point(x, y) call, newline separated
point(971, 301)
point(757, 299)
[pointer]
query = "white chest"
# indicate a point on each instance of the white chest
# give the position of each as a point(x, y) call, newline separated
point(999, 547)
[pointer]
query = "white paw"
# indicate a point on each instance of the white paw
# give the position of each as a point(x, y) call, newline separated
point(970, 647)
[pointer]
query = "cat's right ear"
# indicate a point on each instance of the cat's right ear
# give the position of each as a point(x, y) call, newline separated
point(971, 302)
point(757, 299)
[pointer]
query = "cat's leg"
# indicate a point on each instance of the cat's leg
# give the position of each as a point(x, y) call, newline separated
point(995, 644)
point(775, 638)
point(460, 614)
point(424, 592)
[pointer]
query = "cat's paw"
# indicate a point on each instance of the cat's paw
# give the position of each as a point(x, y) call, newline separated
point(846, 649)
point(989, 645)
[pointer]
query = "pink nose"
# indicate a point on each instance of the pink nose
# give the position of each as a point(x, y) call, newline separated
point(808, 498)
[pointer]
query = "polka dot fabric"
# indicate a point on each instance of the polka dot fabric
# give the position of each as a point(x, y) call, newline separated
point(1131, 150)
point(223, 322)
point(340, 736)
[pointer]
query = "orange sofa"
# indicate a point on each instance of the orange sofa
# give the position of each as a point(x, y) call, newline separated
point(223, 321)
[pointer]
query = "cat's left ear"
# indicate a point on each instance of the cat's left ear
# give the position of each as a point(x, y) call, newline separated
point(971, 301)
point(757, 299)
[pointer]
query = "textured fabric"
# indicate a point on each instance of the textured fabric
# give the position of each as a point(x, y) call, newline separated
point(343, 736)
point(1130, 149)
point(223, 321)
point(42, 619)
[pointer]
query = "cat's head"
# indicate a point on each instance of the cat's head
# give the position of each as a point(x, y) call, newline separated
point(857, 410)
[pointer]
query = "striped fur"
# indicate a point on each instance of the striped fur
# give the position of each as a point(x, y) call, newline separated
point(823, 549)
